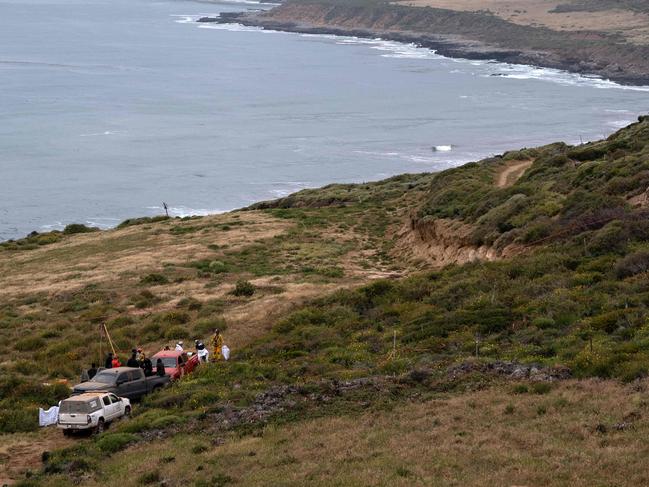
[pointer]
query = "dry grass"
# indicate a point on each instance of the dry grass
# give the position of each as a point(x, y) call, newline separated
point(20, 453)
point(491, 437)
point(633, 25)
point(109, 255)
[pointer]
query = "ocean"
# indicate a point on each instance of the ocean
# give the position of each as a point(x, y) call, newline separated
point(110, 107)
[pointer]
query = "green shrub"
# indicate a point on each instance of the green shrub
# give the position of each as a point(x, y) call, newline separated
point(145, 299)
point(198, 449)
point(207, 326)
point(217, 267)
point(520, 389)
point(73, 228)
point(544, 322)
point(541, 388)
point(119, 322)
point(632, 265)
point(140, 221)
point(612, 238)
point(635, 369)
point(19, 419)
point(607, 322)
point(172, 318)
point(166, 421)
point(154, 279)
point(152, 477)
point(29, 344)
point(191, 304)
point(243, 288)
point(114, 442)
point(218, 480)
point(177, 332)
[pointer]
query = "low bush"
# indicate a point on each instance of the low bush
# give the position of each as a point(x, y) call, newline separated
point(191, 304)
point(73, 228)
point(29, 344)
point(18, 419)
point(114, 442)
point(177, 332)
point(198, 449)
point(154, 279)
point(540, 388)
point(141, 221)
point(243, 288)
point(206, 326)
point(632, 265)
point(152, 477)
point(171, 318)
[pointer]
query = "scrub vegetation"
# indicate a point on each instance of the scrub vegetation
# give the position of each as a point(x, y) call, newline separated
point(355, 338)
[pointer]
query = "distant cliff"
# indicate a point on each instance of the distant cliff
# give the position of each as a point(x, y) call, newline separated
point(473, 35)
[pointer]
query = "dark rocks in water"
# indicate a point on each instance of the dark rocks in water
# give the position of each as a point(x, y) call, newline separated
point(222, 18)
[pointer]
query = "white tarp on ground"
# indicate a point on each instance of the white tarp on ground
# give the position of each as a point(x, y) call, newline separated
point(49, 417)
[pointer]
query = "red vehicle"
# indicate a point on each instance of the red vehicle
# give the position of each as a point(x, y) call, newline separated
point(176, 363)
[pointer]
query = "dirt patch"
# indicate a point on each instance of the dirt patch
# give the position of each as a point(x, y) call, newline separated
point(20, 453)
point(511, 173)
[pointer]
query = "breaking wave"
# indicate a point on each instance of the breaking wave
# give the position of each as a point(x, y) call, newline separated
point(487, 68)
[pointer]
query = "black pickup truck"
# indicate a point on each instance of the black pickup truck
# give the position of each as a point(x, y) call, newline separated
point(124, 382)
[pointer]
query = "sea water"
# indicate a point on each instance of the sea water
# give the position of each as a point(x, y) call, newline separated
point(110, 107)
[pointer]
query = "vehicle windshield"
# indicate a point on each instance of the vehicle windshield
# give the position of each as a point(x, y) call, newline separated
point(169, 362)
point(104, 378)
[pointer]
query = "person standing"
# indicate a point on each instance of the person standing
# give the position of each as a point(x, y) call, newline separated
point(116, 363)
point(160, 368)
point(147, 365)
point(217, 344)
point(108, 364)
point(201, 351)
point(92, 371)
point(132, 362)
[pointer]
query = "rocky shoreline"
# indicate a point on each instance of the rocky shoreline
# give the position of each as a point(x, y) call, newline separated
point(629, 66)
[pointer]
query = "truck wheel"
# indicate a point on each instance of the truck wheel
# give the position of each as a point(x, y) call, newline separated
point(101, 426)
point(127, 412)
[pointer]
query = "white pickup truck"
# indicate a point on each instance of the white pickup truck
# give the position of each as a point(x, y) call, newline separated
point(91, 411)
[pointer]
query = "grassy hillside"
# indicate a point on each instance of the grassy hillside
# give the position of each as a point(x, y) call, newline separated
point(354, 326)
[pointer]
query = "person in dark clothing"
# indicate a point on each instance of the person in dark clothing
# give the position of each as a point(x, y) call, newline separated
point(109, 361)
point(92, 371)
point(160, 368)
point(132, 362)
point(147, 365)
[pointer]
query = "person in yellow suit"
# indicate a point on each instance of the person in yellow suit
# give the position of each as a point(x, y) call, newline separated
point(217, 344)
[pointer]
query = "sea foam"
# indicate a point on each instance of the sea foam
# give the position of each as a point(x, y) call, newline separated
point(400, 50)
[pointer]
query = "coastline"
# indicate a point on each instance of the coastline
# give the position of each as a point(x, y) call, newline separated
point(604, 58)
